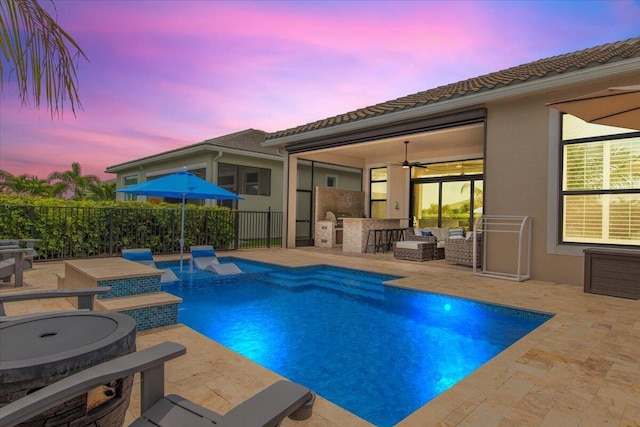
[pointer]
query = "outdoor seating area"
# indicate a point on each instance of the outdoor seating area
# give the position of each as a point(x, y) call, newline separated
point(267, 408)
point(438, 243)
point(16, 256)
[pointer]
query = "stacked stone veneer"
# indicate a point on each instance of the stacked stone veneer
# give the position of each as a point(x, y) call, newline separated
point(348, 203)
point(356, 230)
point(327, 235)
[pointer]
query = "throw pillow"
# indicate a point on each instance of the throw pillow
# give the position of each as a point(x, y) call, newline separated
point(427, 233)
point(417, 231)
point(456, 233)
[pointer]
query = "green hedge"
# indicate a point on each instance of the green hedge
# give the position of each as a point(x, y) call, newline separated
point(76, 229)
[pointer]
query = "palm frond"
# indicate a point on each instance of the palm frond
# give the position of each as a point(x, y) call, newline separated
point(37, 51)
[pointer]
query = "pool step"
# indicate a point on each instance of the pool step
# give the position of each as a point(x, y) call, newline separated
point(366, 288)
point(333, 276)
point(150, 310)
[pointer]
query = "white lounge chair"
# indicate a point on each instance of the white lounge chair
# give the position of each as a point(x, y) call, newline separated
point(144, 256)
point(204, 257)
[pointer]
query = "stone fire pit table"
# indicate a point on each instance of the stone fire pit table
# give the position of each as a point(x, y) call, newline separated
point(36, 351)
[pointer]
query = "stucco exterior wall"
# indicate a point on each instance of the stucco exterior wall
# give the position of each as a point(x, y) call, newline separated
point(397, 194)
point(515, 183)
point(520, 151)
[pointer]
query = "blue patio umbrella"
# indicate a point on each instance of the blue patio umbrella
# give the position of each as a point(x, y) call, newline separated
point(180, 185)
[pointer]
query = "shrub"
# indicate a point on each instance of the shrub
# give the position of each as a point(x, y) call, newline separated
point(75, 229)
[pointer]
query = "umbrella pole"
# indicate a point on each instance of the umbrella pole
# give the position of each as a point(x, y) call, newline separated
point(182, 233)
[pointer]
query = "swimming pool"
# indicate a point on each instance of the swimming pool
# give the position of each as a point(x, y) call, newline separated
point(378, 351)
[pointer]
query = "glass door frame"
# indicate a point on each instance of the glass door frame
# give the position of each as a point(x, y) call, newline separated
point(440, 180)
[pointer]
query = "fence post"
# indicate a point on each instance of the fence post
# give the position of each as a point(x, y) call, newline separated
point(236, 230)
point(111, 232)
point(32, 217)
point(269, 228)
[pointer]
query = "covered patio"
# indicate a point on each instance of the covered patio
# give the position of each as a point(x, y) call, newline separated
point(579, 369)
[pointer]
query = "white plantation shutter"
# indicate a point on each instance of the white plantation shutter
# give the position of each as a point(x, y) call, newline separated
point(601, 189)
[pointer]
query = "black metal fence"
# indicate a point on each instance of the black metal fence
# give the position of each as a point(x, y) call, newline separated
point(83, 232)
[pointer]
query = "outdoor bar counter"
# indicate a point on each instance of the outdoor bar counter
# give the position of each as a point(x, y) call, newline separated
point(355, 231)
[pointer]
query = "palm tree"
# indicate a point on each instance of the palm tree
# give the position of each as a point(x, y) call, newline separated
point(75, 182)
point(102, 192)
point(37, 187)
point(23, 185)
point(12, 184)
point(57, 189)
point(37, 51)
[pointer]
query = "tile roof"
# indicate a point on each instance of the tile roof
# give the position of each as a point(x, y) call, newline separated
point(542, 68)
point(249, 140)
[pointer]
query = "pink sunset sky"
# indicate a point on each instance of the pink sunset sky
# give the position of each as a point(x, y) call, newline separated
point(166, 74)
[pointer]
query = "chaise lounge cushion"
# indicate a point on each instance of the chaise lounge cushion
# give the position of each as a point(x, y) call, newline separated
point(145, 257)
point(204, 257)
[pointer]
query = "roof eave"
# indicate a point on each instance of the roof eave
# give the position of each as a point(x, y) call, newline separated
point(194, 149)
point(472, 100)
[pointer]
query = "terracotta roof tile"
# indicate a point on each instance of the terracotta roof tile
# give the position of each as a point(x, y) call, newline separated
point(247, 140)
point(542, 68)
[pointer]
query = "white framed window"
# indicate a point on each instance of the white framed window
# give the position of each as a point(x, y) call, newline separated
point(245, 179)
point(378, 192)
point(126, 182)
point(600, 184)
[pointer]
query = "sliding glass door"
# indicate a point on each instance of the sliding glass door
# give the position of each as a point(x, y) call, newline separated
point(447, 195)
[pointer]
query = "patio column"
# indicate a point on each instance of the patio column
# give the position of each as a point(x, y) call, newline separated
point(290, 190)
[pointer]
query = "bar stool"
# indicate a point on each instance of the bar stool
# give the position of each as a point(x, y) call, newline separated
point(378, 238)
point(394, 235)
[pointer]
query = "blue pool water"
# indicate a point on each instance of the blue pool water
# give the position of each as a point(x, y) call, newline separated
point(378, 351)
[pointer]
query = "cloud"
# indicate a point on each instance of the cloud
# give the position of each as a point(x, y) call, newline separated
point(164, 74)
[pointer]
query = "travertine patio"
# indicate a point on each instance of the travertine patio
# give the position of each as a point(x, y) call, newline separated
point(581, 368)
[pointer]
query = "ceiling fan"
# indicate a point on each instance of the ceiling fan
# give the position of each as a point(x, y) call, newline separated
point(406, 164)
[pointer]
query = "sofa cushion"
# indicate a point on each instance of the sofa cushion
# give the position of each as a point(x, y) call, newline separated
point(441, 233)
point(408, 244)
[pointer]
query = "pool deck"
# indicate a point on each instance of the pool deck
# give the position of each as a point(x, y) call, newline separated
point(581, 368)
